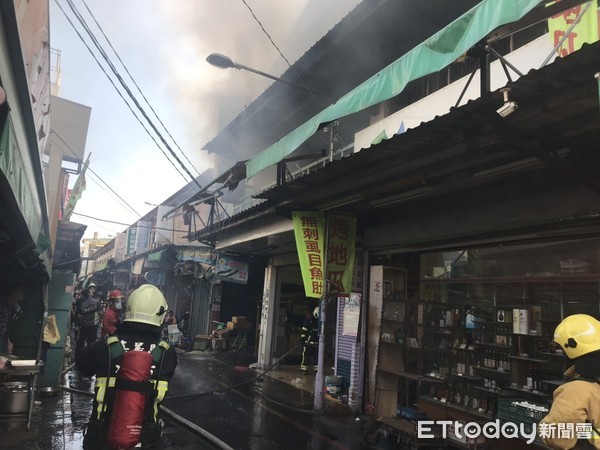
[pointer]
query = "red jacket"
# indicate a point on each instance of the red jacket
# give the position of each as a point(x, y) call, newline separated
point(110, 321)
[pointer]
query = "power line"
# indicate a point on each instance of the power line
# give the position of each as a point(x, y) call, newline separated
point(53, 131)
point(127, 90)
point(128, 225)
point(137, 86)
point(274, 44)
point(106, 184)
point(116, 89)
point(84, 25)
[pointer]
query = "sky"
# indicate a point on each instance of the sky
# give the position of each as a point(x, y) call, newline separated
point(164, 45)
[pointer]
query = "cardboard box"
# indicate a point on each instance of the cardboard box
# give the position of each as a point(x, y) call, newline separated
point(239, 323)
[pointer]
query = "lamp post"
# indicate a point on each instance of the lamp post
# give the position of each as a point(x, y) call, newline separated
point(225, 62)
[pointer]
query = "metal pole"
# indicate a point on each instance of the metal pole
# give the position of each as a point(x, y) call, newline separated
point(320, 377)
point(562, 40)
point(264, 74)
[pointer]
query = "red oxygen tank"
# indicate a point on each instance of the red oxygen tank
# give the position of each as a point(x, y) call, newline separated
point(127, 416)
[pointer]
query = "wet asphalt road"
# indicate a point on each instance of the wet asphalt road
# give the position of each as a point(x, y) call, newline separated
point(262, 414)
point(257, 414)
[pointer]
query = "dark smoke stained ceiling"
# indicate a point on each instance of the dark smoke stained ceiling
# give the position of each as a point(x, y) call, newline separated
point(369, 38)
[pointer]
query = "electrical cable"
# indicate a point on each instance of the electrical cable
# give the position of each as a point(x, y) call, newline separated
point(53, 131)
point(127, 89)
point(137, 86)
point(275, 45)
point(116, 89)
point(128, 224)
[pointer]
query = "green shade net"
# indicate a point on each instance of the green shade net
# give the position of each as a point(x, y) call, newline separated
point(432, 55)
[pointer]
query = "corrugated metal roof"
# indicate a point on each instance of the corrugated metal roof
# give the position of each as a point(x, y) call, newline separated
point(558, 108)
point(370, 37)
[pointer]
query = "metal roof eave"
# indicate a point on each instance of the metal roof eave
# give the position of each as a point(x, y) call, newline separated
point(575, 71)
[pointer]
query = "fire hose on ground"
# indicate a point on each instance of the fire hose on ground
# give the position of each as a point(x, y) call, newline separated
point(190, 425)
point(172, 415)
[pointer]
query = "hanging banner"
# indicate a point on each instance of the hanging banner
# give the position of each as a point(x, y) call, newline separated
point(584, 31)
point(309, 231)
point(76, 193)
point(340, 253)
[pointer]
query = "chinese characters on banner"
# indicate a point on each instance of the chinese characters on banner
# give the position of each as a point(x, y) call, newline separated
point(309, 231)
point(585, 31)
point(340, 253)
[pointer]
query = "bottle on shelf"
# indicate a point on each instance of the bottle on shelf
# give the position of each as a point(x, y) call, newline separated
point(529, 379)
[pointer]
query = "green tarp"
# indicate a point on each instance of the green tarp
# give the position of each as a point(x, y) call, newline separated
point(432, 55)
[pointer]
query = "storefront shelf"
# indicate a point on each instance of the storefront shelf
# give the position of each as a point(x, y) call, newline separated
point(525, 391)
point(386, 319)
point(499, 393)
point(526, 358)
point(553, 354)
point(506, 347)
point(467, 377)
point(412, 376)
point(550, 278)
point(492, 371)
point(455, 407)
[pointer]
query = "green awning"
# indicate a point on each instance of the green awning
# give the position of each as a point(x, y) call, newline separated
point(432, 55)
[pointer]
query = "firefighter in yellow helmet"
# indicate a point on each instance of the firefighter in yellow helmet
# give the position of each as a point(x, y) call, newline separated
point(578, 400)
point(133, 368)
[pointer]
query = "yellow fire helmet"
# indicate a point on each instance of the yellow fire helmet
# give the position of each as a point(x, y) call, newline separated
point(578, 335)
point(146, 305)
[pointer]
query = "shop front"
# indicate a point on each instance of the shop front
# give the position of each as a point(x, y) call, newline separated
point(467, 333)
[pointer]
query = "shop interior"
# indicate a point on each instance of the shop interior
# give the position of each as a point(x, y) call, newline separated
point(474, 332)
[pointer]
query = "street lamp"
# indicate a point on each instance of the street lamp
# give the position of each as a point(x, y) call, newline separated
point(225, 62)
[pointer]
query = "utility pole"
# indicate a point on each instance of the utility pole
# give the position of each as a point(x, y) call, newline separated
point(320, 376)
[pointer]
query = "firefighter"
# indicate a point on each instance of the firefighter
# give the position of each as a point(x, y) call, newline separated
point(578, 400)
point(132, 370)
point(310, 340)
point(111, 319)
point(88, 312)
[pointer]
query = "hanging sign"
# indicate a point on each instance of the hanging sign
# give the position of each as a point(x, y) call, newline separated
point(340, 253)
point(585, 30)
point(310, 240)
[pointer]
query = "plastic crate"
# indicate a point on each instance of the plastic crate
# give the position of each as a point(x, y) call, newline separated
point(511, 410)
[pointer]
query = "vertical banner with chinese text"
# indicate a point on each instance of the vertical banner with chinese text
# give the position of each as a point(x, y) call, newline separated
point(585, 31)
point(309, 231)
point(340, 253)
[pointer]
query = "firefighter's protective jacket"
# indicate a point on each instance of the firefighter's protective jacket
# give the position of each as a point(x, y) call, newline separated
point(94, 360)
point(310, 331)
point(575, 402)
